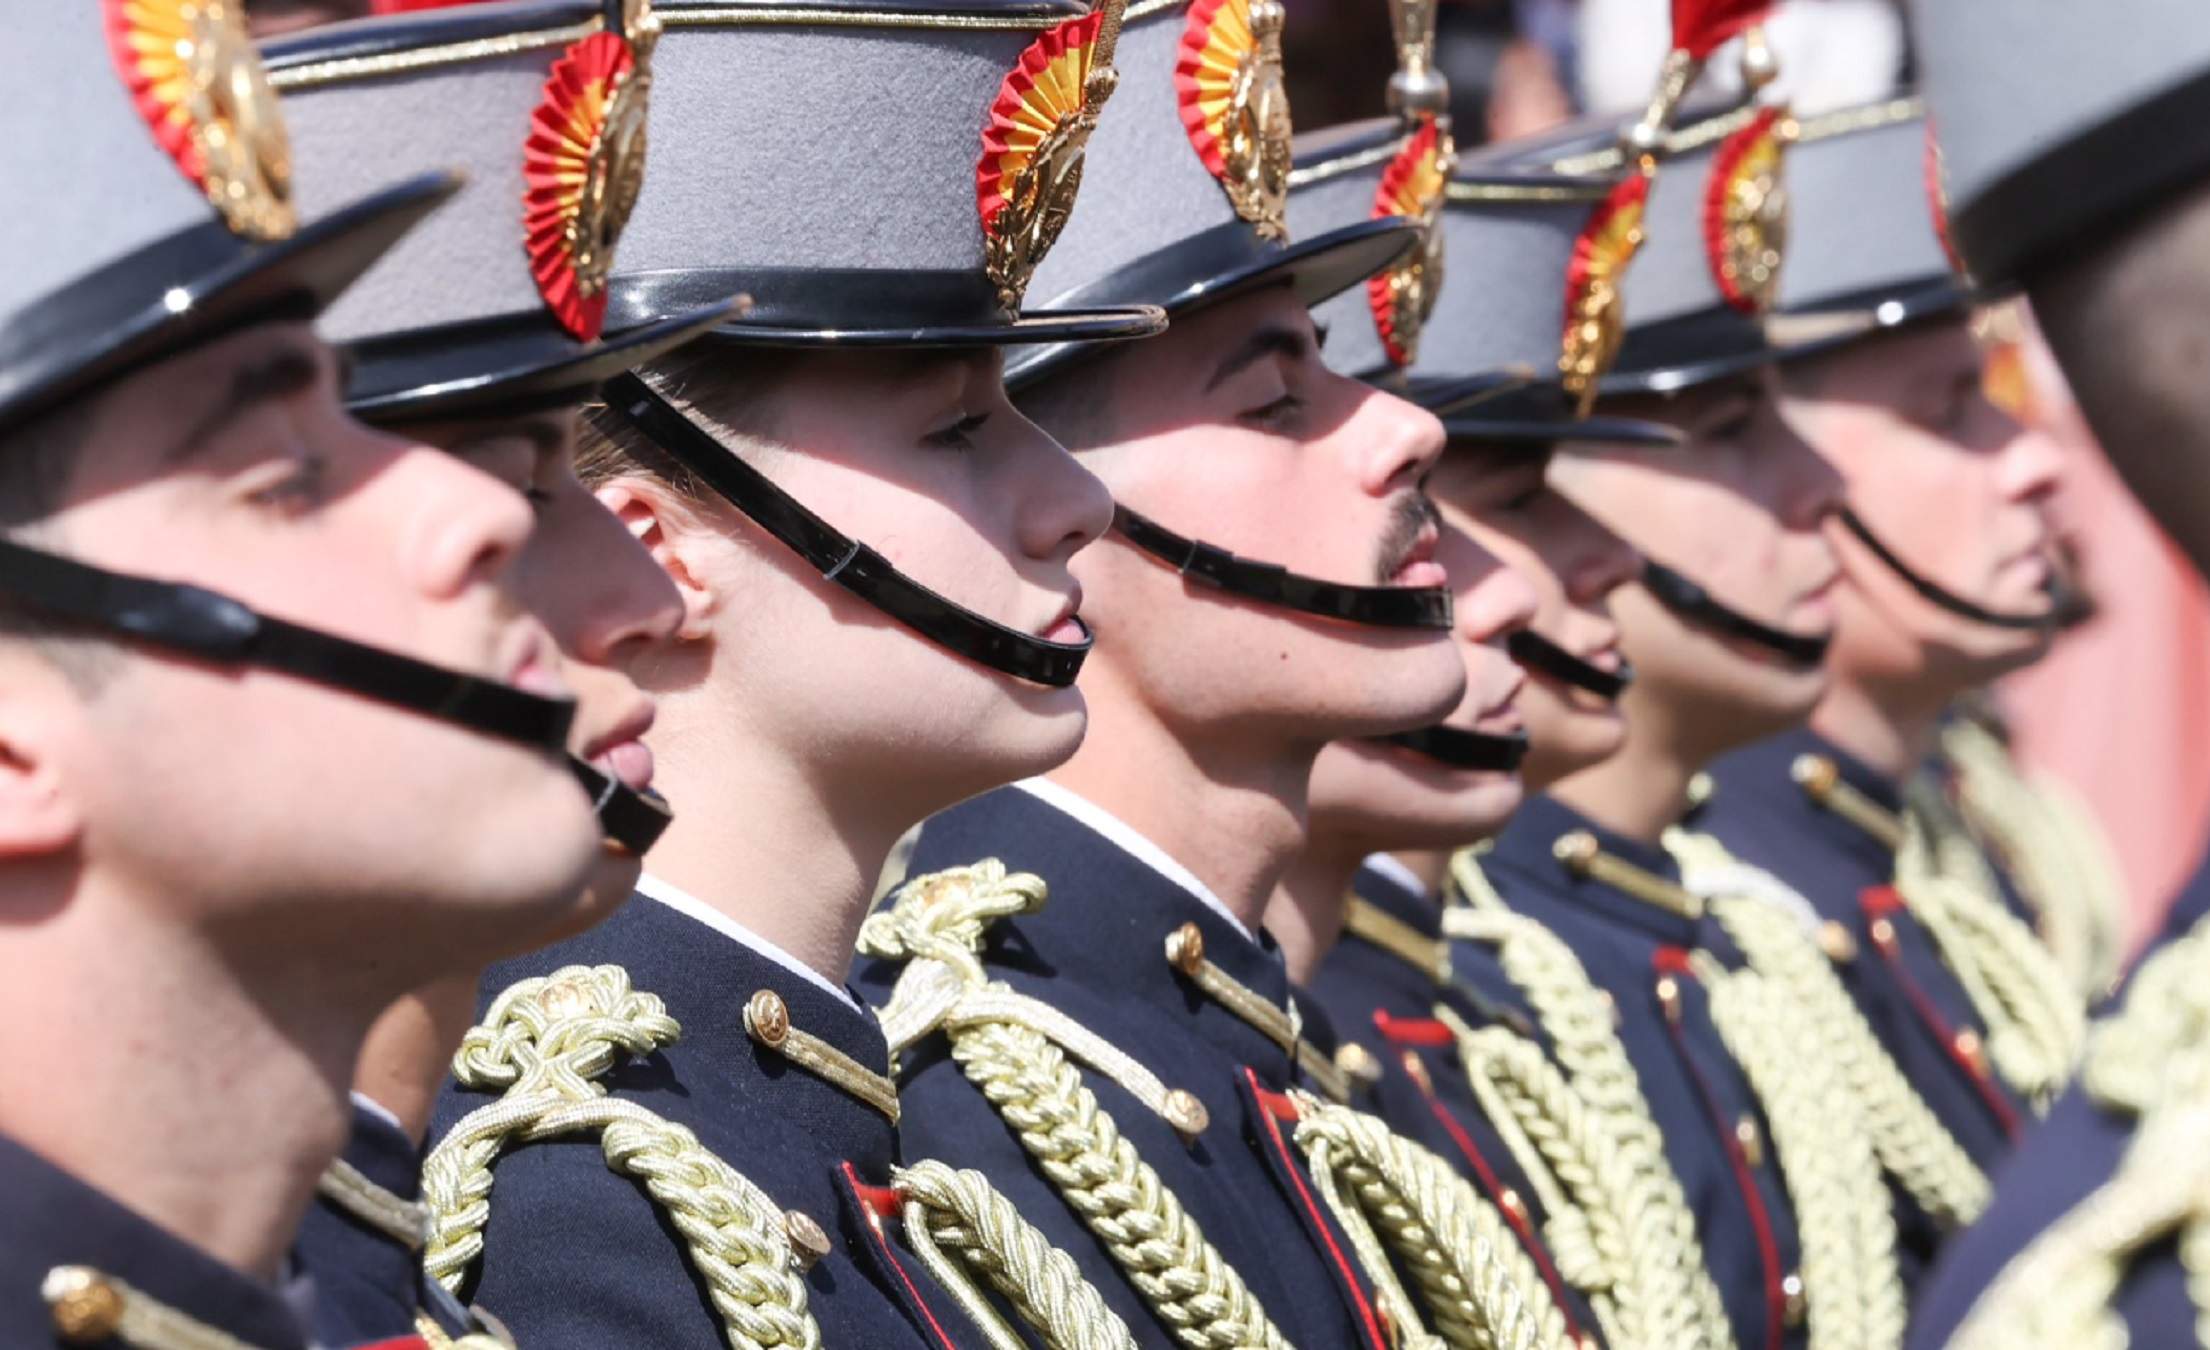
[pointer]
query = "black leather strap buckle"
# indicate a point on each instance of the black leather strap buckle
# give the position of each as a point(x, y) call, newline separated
point(1470, 750)
point(2049, 619)
point(1273, 584)
point(1533, 651)
point(209, 626)
point(1693, 602)
point(839, 558)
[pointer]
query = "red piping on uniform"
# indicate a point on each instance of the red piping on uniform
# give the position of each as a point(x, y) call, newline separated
point(1275, 1108)
point(1426, 1033)
point(882, 1202)
point(1883, 902)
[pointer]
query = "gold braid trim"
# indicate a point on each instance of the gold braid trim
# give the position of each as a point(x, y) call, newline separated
point(2150, 1060)
point(1185, 951)
point(89, 1306)
point(936, 923)
point(1479, 1284)
point(957, 1211)
point(1911, 1142)
point(1578, 1019)
point(2035, 1017)
point(1826, 1159)
point(348, 1187)
point(2055, 848)
point(542, 1042)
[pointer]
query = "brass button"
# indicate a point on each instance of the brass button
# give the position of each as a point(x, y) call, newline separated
point(1971, 1050)
point(1791, 1286)
point(1753, 1143)
point(1883, 933)
point(1576, 850)
point(86, 1307)
point(565, 998)
point(1185, 1113)
point(1669, 998)
point(767, 1017)
point(1352, 1059)
point(1416, 1070)
point(1835, 941)
point(1514, 1208)
point(808, 1244)
point(1815, 774)
point(1185, 948)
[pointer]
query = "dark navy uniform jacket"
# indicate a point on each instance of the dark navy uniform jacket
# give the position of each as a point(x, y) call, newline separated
point(579, 1256)
point(1385, 1005)
point(1714, 1129)
point(48, 1218)
point(1097, 952)
point(368, 1286)
point(2061, 1161)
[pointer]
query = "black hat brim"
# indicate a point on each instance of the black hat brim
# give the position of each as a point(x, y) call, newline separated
point(193, 287)
point(513, 365)
point(1227, 262)
point(1511, 407)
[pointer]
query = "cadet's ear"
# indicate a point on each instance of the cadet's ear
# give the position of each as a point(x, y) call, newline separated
point(671, 531)
point(39, 815)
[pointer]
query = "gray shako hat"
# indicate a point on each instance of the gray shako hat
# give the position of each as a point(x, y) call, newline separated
point(156, 215)
point(497, 303)
point(1189, 179)
point(2057, 118)
point(153, 202)
point(871, 175)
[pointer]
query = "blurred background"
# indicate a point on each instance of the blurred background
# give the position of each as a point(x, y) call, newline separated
point(2118, 710)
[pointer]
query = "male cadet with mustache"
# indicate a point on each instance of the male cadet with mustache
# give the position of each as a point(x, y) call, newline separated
point(193, 959)
point(483, 338)
point(1507, 237)
point(679, 1129)
point(1126, 1059)
point(2067, 172)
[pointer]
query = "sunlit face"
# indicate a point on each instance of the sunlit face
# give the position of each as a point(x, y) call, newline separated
point(1741, 510)
point(1380, 796)
point(920, 456)
point(1955, 487)
point(280, 810)
point(596, 590)
point(1230, 429)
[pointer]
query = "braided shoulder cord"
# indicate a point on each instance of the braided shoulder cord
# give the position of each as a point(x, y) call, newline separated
point(1480, 1286)
point(1850, 1279)
point(936, 923)
point(960, 1212)
point(2036, 1019)
point(1612, 1245)
point(2150, 1060)
point(1583, 1035)
point(2060, 857)
point(1911, 1142)
point(542, 1042)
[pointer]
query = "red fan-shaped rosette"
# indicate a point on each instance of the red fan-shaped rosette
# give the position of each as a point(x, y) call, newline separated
point(1044, 86)
point(1746, 150)
point(1701, 27)
point(1410, 186)
point(145, 37)
point(1215, 38)
point(1607, 243)
point(556, 167)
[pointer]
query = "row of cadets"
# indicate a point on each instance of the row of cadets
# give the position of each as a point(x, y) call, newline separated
point(1093, 1015)
point(678, 1127)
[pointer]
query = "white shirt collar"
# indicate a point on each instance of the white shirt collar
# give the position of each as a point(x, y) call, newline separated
point(1391, 868)
point(1130, 841)
point(691, 907)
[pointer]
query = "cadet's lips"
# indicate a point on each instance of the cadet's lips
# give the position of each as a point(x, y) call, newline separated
point(1066, 626)
point(620, 752)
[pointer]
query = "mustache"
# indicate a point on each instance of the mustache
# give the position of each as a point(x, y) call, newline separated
point(1410, 518)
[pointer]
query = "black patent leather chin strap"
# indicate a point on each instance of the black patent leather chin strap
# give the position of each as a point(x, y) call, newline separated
point(1694, 603)
point(1270, 584)
point(1456, 749)
point(208, 626)
point(838, 557)
point(1941, 598)
point(1533, 651)
point(628, 819)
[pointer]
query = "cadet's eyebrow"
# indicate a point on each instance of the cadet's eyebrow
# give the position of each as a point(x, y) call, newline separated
point(1272, 340)
point(278, 373)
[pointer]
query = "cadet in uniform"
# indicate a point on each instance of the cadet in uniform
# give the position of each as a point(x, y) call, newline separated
point(679, 1129)
point(1945, 584)
point(2063, 175)
point(483, 337)
point(1092, 1015)
point(193, 962)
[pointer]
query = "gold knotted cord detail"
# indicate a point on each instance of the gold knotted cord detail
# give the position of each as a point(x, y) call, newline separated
point(1584, 1038)
point(1911, 1142)
point(1394, 1198)
point(767, 1021)
point(936, 924)
point(1370, 923)
point(346, 1186)
point(2149, 1061)
point(1185, 951)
